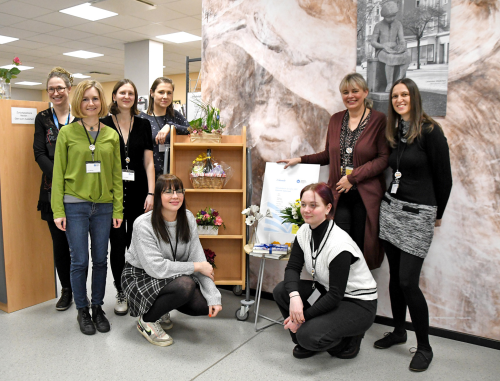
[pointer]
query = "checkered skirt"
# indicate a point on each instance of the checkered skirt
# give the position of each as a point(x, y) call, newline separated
point(141, 289)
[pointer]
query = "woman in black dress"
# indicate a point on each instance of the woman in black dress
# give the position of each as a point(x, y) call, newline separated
point(163, 117)
point(47, 125)
point(136, 148)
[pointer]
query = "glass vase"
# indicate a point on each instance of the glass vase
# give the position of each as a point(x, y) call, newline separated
point(5, 91)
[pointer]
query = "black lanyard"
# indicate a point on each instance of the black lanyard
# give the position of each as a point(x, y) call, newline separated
point(158, 123)
point(127, 158)
point(56, 121)
point(174, 253)
point(344, 149)
point(314, 258)
point(92, 145)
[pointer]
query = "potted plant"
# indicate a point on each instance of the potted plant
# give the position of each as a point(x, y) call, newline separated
point(6, 75)
point(210, 255)
point(209, 221)
point(208, 127)
point(291, 214)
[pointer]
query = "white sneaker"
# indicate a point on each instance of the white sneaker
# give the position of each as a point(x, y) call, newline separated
point(121, 306)
point(154, 333)
point(165, 321)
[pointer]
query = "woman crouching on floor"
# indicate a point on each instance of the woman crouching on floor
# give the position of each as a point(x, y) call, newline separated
point(333, 311)
point(165, 267)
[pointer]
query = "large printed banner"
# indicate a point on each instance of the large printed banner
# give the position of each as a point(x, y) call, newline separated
point(275, 67)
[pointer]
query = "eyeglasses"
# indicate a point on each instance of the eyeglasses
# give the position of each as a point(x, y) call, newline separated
point(52, 90)
point(171, 191)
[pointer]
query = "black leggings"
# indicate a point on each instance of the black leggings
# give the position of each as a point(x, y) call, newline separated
point(183, 295)
point(404, 291)
point(350, 216)
point(119, 240)
point(62, 257)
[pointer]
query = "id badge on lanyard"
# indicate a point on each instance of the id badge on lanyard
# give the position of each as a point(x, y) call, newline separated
point(93, 166)
point(348, 170)
point(128, 175)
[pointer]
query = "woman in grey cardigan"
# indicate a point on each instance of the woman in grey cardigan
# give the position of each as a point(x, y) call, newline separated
point(165, 267)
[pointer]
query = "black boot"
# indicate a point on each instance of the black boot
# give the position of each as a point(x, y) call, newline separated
point(101, 323)
point(65, 300)
point(86, 325)
point(352, 348)
point(302, 353)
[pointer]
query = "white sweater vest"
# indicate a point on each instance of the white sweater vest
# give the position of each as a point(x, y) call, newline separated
point(360, 284)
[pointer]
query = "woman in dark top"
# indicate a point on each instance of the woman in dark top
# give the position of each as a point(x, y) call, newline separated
point(333, 311)
point(47, 125)
point(413, 205)
point(357, 153)
point(163, 117)
point(136, 149)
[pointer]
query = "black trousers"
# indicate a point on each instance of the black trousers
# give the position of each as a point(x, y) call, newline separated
point(349, 318)
point(62, 257)
point(350, 216)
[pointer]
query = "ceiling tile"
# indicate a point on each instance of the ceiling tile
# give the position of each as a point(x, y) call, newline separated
point(15, 50)
point(161, 14)
point(37, 26)
point(124, 22)
point(110, 52)
point(154, 30)
point(118, 46)
point(27, 44)
point(96, 28)
point(105, 41)
point(184, 24)
point(20, 9)
point(187, 7)
point(71, 34)
point(17, 33)
point(54, 5)
point(127, 36)
point(48, 39)
point(62, 19)
point(71, 46)
point(130, 7)
point(58, 49)
point(6, 19)
point(168, 57)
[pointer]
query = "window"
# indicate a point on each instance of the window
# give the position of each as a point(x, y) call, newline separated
point(445, 19)
point(417, 3)
point(430, 53)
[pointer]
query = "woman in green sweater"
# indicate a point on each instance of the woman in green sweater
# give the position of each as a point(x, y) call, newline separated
point(87, 194)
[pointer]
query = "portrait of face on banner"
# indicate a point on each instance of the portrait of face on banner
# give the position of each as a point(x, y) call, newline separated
point(411, 39)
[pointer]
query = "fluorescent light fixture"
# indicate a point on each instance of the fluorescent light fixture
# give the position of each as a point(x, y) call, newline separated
point(80, 75)
point(83, 54)
point(6, 40)
point(27, 83)
point(179, 37)
point(20, 67)
point(88, 12)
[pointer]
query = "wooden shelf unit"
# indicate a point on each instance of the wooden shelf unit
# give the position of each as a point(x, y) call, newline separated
point(229, 201)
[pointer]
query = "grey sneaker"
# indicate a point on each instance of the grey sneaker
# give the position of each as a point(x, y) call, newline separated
point(165, 321)
point(121, 306)
point(154, 333)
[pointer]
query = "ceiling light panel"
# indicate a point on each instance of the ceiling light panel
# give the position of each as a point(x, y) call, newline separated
point(179, 37)
point(6, 40)
point(27, 83)
point(83, 54)
point(80, 75)
point(20, 67)
point(88, 12)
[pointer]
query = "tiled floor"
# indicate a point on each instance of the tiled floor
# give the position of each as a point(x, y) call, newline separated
point(39, 343)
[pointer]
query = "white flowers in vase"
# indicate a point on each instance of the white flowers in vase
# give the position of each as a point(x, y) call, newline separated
point(253, 217)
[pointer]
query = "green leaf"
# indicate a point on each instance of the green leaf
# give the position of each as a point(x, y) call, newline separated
point(8, 76)
point(15, 71)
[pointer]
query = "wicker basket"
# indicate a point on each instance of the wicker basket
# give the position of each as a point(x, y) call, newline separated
point(205, 137)
point(207, 182)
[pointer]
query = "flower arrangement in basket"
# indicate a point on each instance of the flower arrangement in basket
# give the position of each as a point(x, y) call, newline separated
point(207, 173)
point(208, 128)
point(209, 221)
point(210, 255)
point(291, 214)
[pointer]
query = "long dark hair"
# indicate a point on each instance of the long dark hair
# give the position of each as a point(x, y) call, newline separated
point(417, 115)
point(151, 105)
point(324, 192)
point(113, 107)
point(182, 230)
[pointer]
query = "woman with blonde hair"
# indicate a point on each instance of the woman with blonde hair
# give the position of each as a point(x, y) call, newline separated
point(357, 152)
point(87, 195)
point(47, 126)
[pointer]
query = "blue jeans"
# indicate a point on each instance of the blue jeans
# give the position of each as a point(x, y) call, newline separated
point(82, 218)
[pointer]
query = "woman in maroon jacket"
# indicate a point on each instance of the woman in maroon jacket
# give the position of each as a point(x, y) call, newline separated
point(358, 154)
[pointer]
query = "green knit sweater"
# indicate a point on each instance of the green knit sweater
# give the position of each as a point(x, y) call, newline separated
point(70, 175)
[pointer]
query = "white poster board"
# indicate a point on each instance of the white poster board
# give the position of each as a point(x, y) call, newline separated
point(194, 111)
point(282, 187)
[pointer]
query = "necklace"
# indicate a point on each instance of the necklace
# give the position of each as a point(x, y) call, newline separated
point(91, 127)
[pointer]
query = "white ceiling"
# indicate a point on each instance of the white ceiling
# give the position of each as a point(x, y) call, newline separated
point(45, 34)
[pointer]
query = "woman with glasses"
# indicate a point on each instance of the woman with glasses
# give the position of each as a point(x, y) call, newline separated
point(47, 126)
point(87, 195)
point(163, 117)
point(138, 173)
point(165, 267)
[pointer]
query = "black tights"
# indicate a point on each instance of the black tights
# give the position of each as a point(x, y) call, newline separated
point(62, 257)
point(182, 295)
point(404, 291)
point(350, 216)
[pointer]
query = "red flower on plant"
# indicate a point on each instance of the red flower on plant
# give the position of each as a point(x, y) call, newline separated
point(17, 61)
point(215, 213)
point(218, 221)
point(210, 255)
